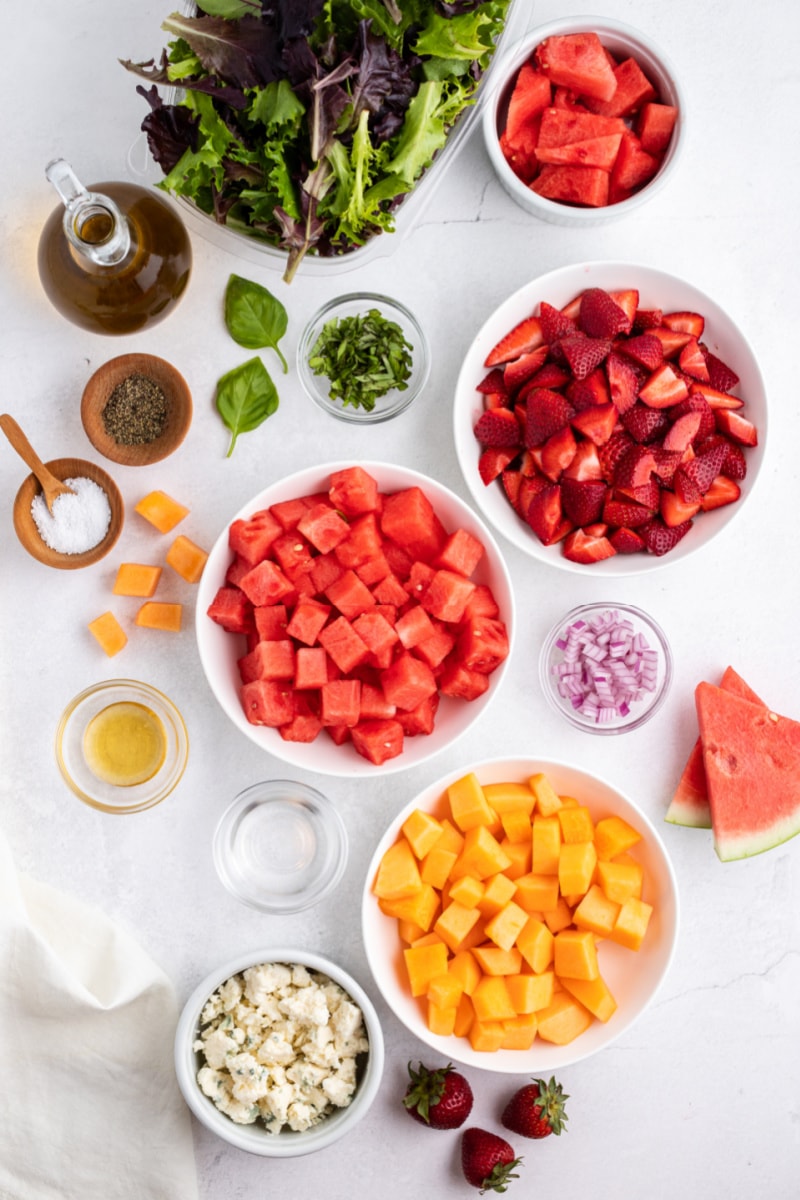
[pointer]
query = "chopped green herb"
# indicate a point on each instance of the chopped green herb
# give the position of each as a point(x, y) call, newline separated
point(363, 358)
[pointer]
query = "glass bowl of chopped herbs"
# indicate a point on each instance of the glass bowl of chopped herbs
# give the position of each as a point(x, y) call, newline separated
point(363, 358)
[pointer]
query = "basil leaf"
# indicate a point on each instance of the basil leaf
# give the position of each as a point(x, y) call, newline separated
point(246, 396)
point(254, 317)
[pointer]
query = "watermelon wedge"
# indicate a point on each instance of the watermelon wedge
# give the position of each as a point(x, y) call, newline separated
point(752, 764)
point(689, 806)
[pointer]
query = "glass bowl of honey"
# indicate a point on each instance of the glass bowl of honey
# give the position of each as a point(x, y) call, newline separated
point(121, 746)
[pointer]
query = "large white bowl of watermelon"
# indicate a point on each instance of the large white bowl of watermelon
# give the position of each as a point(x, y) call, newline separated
point(355, 619)
point(610, 418)
point(482, 888)
point(520, 915)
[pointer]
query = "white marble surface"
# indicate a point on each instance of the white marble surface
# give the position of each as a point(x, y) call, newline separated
point(700, 1097)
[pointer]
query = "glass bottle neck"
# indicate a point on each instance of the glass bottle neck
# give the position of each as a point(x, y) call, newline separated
point(93, 224)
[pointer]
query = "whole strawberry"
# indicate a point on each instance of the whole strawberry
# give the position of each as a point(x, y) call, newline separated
point(487, 1160)
point(440, 1098)
point(536, 1110)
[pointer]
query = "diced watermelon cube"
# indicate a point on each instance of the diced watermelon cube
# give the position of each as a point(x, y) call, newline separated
point(633, 89)
point(407, 681)
point(268, 702)
point(268, 660)
point(340, 701)
point(398, 559)
point(307, 620)
point(325, 568)
point(292, 554)
point(447, 595)
point(408, 519)
point(350, 595)
point(304, 725)
point(231, 609)
point(363, 541)
point(374, 569)
point(461, 683)
point(586, 187)
point(655, 125)
point(562, 127)
point(374, 705)
point(343, 644)
point(323, 526)
point(376, 632)
point(531, 93)
point(378, 741)
point(577, 61)
point(634, 166)
point(311, 667)
point(418, 579)
point(461, 553)
point(237, 569)
point(390, 591)
point(339, 734)
point(414, 626)
point(288, 512)
point(482, 603)
point(271, 621)
point(251, 538)
point(266, 584)
point(482, 644)
point(354, 491)
point(419, 720)
point(435, 649)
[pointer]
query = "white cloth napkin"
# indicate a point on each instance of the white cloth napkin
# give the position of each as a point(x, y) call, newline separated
point(89, 1105)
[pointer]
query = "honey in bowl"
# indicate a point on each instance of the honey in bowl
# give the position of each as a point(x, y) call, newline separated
point(125, 744)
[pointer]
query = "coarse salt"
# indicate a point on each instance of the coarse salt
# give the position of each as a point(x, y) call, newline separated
point(79, 520)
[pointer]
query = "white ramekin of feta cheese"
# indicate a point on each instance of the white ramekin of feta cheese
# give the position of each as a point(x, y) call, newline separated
point(279, 1052)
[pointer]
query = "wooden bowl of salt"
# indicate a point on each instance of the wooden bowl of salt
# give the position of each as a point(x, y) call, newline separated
point(136, 409)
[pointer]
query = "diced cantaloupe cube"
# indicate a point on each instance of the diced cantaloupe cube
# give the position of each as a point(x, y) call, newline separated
point(187, 558)
point(537, 893)
point(398, 872)
point(620, 880)
point(546, 844)
point(613, 835)
point(530, 993)
point(576, 864)
point(436, 866)
point(497, 892)
point(136, 579)
point(454, 924)
point(575, 954)
point(509, 797)
point(547, 799)
point(161, 510)
point(494, 960)
point(481, 856)
point(464, 966)
point(468, 805)
point(491, 1000)
point(593, 994)
point(441, 1021)
point(465, 1015)
point(427, 939)
point(596, 912)
point(535, 944)
point(576, 823)
point(160, 615)
point(520, 855)
point(108, 632)
point(563, 1019)
point(450, 838)
point(445, 990)
point(505, 926)
point(486, 1035)
point(424, 963)
point(421, 831)
point(631, 924)
point(409, 931)
point(519, 1032)
point(559, 917)
point(516, 825)
point(467, 890)
point(420, 906)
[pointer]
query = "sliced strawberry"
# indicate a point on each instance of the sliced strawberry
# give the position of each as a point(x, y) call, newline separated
point(600, 316)
point(493, 461)
point(628, 301)
point(692, 360)
point(582, 499)
point(558, 452)
point(626, 541)
point(722, 491)
point(528, 465)
point(554, 323)
point(628, 513)
point(596, 423)
point(596, 529)
point(623, 382)
point(663, 388)
point(681, 432)
point(584, 393)
point(584, 353)
point(674, 511)
point(493, 382)
point(520, 370)
point(545, 515)
point(696, 402)
point(551, 376)
point(667, 463)
point(671, 341)
point(498, 427)
point(547, 413)
point(715, 398)
point(736, 427)
point(523, 338)
point(496, 400)
point(647, 494)
point(645, 424)
point(646, 319)
point(614, 449)
point(735, 463)
point(694, 478)
point(685, 322)
point(529, 486)
point(659, 538)
point(512, 481)
point(635, 468)
point(644, 348)
point(581, 547)
point(585, 463)
point(720, 375)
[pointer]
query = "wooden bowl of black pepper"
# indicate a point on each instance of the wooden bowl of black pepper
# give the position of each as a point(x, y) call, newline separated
point(136, 409)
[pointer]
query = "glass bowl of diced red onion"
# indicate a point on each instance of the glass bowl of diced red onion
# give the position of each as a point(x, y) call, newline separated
point(606, 667)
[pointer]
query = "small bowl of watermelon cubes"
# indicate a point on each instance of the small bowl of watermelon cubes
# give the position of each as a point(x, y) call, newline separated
point(519, 915)
point(355, 619)
point(610, 418)
point(588, 124)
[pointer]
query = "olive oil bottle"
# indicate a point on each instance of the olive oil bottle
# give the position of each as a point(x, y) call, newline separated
point(115, 258)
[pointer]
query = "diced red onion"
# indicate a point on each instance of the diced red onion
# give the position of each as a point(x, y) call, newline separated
point(607, 666)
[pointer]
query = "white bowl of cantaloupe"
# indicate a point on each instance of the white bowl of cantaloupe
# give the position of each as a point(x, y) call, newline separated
point(519, 915)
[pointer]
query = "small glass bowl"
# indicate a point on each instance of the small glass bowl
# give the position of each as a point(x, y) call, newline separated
point(632, 715)
point(280, 847)
point(394, 401)
point(106, 716)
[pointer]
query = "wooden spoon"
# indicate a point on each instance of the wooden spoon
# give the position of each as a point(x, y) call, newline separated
point(51, 487)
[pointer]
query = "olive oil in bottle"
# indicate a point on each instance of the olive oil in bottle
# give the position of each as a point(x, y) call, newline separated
point(125, 744)
point(114, 259)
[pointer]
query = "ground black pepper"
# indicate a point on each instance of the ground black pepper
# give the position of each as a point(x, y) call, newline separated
point(136, 411)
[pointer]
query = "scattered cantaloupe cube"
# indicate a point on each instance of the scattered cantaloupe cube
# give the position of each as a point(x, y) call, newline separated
point(398, 872)
point(559, 917)
point(161, 511)
point(420, 907)
point(467, 890)
point(486, 1036)
point(576, 823)
point(156, 614)
point(441, 1021)
point(531, 993)
point(450, 838)
point(454, 923)
point(482, 854)
point(421, 831)
point(493, 960)
point(547, 799)
point(465, 1015)
point(596, 912)
point(509, 797)
point(187, 558)
point(445, 990)
point(409, 930)
point(436, 866)
point(506, 925)
point(519, 1032)
point(620, 879)
point(519, 854)
point(537, 893)
point(464, 966)
point(576, 864)
point(136, 579)
point(107, 630)
point(516, 825)
point(423, 964)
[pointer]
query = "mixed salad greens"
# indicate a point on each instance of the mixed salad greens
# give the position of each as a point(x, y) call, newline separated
point(306, 122)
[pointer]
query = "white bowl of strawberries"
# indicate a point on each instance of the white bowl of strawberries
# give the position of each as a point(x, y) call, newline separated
point(610, 417)
point(588, 122)
point(355, 619)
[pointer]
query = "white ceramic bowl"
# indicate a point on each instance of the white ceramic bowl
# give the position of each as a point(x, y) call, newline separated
point(633, 977)
point(256, 1138)
point(219, 651)
point(657, 289)
point(622, 41)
